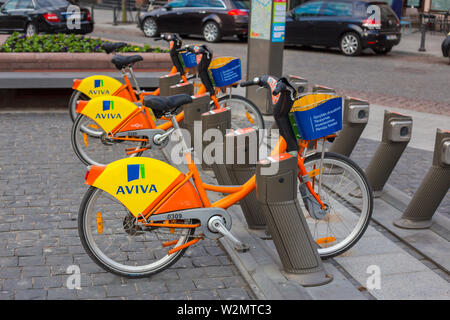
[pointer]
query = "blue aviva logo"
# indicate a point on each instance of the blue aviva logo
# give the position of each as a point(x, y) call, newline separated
point(98, 83)
point(134, 171)
point(108, 105)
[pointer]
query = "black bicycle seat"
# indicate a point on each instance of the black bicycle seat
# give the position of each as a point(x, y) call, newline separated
point(167, 104)
point(111, 47)
point(124, 61)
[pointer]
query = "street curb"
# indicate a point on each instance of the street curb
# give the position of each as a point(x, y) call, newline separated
point(105, 28)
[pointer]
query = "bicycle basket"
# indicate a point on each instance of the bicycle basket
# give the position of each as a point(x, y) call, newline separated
point(225, 71)
point(189, 59)
point(317, 115)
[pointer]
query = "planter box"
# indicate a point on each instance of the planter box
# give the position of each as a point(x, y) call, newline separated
point(53, 61)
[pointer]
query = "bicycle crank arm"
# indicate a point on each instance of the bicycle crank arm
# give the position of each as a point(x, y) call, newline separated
point(214, 222)
point(150, 134)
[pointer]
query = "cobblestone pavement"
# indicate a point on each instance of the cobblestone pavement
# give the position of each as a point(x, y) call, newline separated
point(41, 186)
point(409, 171)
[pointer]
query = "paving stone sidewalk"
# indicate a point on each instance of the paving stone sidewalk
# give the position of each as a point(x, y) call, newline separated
point(41, 187)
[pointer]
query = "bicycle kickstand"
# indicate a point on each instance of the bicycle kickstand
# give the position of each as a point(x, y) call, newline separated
point(216, 224)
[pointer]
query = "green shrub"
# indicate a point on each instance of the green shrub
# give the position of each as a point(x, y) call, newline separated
point(64, 43)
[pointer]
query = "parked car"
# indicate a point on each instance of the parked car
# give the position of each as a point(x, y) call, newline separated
point(48, 16)
point(446, 46)
point(212, 19)
point(345, 24)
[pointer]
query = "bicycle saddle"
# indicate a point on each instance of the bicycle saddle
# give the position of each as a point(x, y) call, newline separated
point(124, 61)
point(167, 104)
point(111, 47)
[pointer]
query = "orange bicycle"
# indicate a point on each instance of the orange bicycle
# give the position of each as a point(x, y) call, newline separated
point(140, 214)
point(106, 128)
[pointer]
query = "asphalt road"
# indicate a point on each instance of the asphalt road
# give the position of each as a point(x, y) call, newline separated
point(411, 79)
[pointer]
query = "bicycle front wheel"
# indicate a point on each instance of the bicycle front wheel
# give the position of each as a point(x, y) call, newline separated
point(344, 189)
point(244, 113)
point(92, 146)
point(111, 238)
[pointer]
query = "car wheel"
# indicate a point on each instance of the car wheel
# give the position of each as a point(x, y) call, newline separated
point(31, 30)
point(382, 50)
point(150, 28)
point(350, 44)
point(211, 32)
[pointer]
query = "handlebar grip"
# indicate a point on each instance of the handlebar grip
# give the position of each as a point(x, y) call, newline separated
point(246, 83)
point(279, 88)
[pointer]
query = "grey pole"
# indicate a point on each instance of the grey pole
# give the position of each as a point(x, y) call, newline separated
point(300, 84)
point(186, 88)
point(277, 194)
point(217, 119)
point(396, 136)
point(433, 188)
point(424, 31)
point(193, 112)
point(354, 120)
point(265, 47)
point(242, 155)
point(166, 81)
point(114, 16)
point(317, 88)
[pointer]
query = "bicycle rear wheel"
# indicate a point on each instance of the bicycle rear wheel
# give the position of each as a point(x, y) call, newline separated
point(345, 190)
point(111, 238)
point(244, 113)
point(91, 145)
point(74, 98)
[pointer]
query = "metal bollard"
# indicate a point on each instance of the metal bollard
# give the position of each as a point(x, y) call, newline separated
point(180, 88)
point(317, 88)
point(218, 119)
point(277, 194)
point(193, 112)
point(241, 157)
point(165, 82)
point(396, 135)
point(433, 188)
point(300, 84)
point(354, 120)
point(115, 16)
point(423, 33)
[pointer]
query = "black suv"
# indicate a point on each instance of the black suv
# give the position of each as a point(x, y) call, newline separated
point(350, 25)
point(210, 18)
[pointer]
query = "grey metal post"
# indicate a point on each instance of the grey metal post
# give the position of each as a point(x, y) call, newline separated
point(186, 88)
point(242, 155)
point(265, 48)
point(396, 136)
point(277, 194)
point(92, 12)
point(193, 112)
point(354, 120)
point(424, 31)
point(300, 84)
point(433, 188)
point(317, 88)
point(218, 119)
point(166, 81)
point(114, 16)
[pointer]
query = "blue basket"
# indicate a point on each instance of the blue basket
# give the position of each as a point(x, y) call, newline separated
point(226, 71)
point(320, 120)
point(189, 59)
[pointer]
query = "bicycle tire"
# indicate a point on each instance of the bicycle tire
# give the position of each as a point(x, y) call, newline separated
point(75, 138)
point(107, 263)
point(74, 98)
point(339, 197)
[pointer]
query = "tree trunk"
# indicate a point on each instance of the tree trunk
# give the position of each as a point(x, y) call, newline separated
point(124, 11)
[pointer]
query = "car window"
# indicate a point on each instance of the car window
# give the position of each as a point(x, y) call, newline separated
point(25, 4)
point(178, 3)
point(309, 9)
point(197, 3)
point(215, 4)
point(338, 9)
point(53, 3)
point(242, 4)
point(11, 5)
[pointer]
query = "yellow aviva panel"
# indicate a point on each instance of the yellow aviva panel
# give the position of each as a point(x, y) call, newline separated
point(137, 182)
point(99, 86)
point(108, 112)
point(310, 101)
